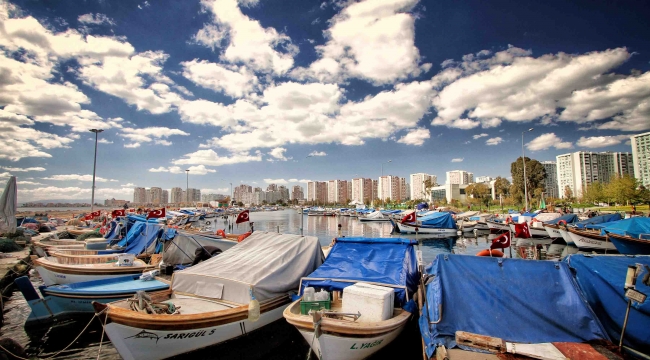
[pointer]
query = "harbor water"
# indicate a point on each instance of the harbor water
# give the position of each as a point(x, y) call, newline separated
point(276, 341)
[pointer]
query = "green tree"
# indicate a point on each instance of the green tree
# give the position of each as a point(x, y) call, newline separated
point(501, 186)
point(535, 176)
point(643, 196)
point(568, 194)
point(480, 192)
point(428, 186)
point(621, 189)
point(594, 193)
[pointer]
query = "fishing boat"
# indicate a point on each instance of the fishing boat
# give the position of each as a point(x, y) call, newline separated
point(436, 223)
point(536, 225)
point(52, 272)
point(58, 302)
point(374, 216)
point(515, 300)
point(587, 240)
point(552, 227)
point(353, 327)
point(595, 222)
point(630, 236)
point(230, 295)
point(496, 226)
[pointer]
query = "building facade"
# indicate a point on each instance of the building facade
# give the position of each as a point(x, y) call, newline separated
point(418, 180)
point(580, 169)
point(460, 177)
point(177, 195)
point(641, 157)
point(551, 186)
point(484, 179)
point(139, 195)
point(297, 193)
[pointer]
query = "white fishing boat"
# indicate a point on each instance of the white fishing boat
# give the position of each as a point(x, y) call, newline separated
point(537, 230)
point(374, 216)
point(52, 272)
point(440, 223)
point(239, 291)
point(587, 240)
point(369, 316)
point(496, 226)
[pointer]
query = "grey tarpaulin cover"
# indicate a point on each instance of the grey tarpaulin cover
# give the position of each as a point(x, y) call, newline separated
point(8, 204)
point(181, 249)
point(269, 263)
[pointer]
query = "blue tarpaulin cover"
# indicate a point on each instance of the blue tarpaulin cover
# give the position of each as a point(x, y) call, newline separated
point(598, 220)
point(602, 281)
point(441, 220)
point(633, 227)
point(139, 237)
point(390, 261)
point(569, 218)
point(513, 299)
point(422, 205)
point(114, 231)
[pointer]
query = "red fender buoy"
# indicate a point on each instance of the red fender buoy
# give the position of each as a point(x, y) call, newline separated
point(221, 233)
point(562, 222)
point(494, 253)
point(243, 236)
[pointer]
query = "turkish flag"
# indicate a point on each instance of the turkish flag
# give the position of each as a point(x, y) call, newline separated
point(117, 213)
point(242, 217)
point(522, 231)
point(131, 210)
point(96, 213)
point(501, 242)
point(410, 218)
point(89, 217)
point(156, 213)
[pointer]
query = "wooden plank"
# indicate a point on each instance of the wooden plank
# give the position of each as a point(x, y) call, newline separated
point(488, 343)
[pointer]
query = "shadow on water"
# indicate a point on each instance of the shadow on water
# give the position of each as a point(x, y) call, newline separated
point(278, 340)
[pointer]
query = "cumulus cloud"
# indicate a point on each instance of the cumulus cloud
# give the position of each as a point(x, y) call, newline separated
point(494, 141)
point(601, 141)
point(276, 181)
point(317, 153)
point(415, 137)
point(77, 177)
point(211, 158)
point(132, 145)
point(278, 154)
point(457, 159)
point(72, 193)
point(372, 40)
point(95, 19)
point(234, 81)
point(150, 134)
point(17, 169)
point(546, 141)
point(478, 136)
point(194, 170)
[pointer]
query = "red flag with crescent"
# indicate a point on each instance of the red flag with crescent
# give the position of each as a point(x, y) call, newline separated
point(88, 217)
point(158, 213)
point(117, 213)
point(410, 218)
point(242, 217)
point(131, 210)
point(96, 213)
point(501, 242)
point(522, 231)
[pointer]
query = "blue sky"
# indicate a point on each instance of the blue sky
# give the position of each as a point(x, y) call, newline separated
point(244, 91)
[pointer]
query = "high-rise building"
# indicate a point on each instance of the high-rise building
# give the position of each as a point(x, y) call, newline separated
point(139, 195)
point(165, 197)
point(321, 192)
point(337, 191)
point(550, 183)
point(272, 187)
point(155, 196)
point(213, 197)
point(484, 179)
point(375, 189)
point(297, 193)
point(418, 185)
point(405, 190)
point(579, 169)
point(177, 196)
point(641, 157)
point(460, 177)
point(390, 187)
point(360, 190)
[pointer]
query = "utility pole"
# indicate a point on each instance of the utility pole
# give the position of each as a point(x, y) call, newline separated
point(92, 199)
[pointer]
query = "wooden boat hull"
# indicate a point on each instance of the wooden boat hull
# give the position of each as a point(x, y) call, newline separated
point(481, 226)
point(133, 339)
point(629, 245)
point(410, 229)
point(533, 241)
point(342, 340)
point(553, 231)
point(497, 227)
point(565, 235)
point(586, 241)
point(53, 273)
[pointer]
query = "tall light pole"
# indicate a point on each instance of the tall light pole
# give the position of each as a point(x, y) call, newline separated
point(187, 186)
point(383, 204)
point(92, 199)
point(523, 160)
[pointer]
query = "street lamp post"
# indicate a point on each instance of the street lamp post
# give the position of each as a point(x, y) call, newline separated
point(231, 193)
point(187, 187)
point(92, 199)
point(523, 160)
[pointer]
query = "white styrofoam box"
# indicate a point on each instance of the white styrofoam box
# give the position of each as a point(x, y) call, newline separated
point(375, 303)
point(125, 259)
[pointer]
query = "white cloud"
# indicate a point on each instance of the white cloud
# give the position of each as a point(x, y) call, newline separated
point(149, 134)
point(194, 170)
point(211, 158)
point(293, 180)
point(128, 185)
point(247, 42)
point(17, 169)
point(76, 177)
point(223, 191)
point(101, 141)
point(163, 142)
point(132, 145)
point(234, 81)
point(478, 136)
point(72, 193)
point(317, 153)
point(514, 86)
point(26, 182)
point(278, 154)
point(276, 181)
point(95, 19)
point(494, 141)
point(372, 40)
point(546, 141)
point(457, 159)
point(601, 141)
point(415, 137)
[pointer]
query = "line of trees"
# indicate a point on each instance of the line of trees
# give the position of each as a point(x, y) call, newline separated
point(623, 190)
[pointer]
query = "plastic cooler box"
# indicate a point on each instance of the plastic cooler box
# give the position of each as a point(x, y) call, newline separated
point(375, 303)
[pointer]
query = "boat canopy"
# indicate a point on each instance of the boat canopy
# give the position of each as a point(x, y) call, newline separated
point(375, 215)
point(598, 220)
point(182, 249)
point(269, 264)
point(442, 220)
point(422, 205)
point(636, 227)
point(389, 261)
point(140, 237)
point(602, 281)
point(513, 299)
point(547, 216)
point(569, 218)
